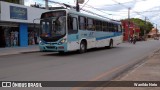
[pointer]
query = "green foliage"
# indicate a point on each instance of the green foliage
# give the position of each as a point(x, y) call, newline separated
point(142, 24)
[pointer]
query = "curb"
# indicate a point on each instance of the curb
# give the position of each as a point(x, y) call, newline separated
point(130, 67)
point(134, 65)
point(15, 53)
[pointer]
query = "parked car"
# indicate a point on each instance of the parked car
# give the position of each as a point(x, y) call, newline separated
point(156, 38)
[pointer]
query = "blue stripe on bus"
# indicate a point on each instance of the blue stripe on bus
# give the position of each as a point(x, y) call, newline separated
point(101, 38)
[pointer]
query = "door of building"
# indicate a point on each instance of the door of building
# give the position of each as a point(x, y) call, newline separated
point(2, 37)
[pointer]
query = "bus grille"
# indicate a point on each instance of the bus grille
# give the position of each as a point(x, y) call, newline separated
point(51, 47)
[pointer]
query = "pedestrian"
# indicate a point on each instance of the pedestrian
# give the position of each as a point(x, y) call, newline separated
point(131, 40)
point(134, 40)
point(16, 37)
point(12, 38)
point(14, 42)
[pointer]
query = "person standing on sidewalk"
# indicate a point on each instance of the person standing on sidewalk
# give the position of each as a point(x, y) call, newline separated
point(16, 38)
point(12, 38)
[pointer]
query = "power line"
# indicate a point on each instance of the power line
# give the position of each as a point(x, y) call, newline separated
point(97, 14)
point(128, 7)
point(101, 10)
point(117, 4)
point(98, 9)
point(83, 10)
point(84, 4)
point(150, 11)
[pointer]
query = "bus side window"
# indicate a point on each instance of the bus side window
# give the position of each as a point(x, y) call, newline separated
point(98, 25)
point(75, 26)
point(104, 27)
point(112, 27)
point(120, 28)
point(109, 27)
point(82, 23)
point(115, 28)
point(72, 25)
point(90, 24)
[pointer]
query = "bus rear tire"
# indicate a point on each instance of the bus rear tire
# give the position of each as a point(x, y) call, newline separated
point(111, 43)
point(83, 47)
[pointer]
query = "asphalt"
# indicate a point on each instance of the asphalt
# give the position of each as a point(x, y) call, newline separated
point(18, 50)
point(148, 70)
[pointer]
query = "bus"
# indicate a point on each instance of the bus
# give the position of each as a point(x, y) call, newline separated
point(65, 30)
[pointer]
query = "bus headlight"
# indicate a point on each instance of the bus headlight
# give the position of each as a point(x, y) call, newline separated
point(62, 41)
point(41, 42)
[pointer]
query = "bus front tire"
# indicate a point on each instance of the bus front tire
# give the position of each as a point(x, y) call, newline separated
point(61, 52)
point(82, 47)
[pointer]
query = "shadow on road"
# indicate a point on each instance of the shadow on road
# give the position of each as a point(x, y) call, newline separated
point(77, 53)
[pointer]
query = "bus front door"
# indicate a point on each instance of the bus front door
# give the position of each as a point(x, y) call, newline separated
point(73, 37)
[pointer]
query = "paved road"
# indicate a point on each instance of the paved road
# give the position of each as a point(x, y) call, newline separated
point(97, 64)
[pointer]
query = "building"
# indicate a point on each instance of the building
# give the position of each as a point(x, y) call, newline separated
point(16, 24)
point(130, 30)
point(153, 33)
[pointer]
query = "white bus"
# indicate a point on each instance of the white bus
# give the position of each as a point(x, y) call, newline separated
point(66, 30)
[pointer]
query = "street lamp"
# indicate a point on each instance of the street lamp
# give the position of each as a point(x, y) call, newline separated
point(145, 28)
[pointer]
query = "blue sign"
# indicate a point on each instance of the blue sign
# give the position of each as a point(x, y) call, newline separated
point(18, 13)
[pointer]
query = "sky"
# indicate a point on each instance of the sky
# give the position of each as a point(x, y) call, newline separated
point(117, 9)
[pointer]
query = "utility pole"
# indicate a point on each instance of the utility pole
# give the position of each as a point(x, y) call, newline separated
point(46, 4)
point(129, 23)
point(156, 31)
point(77, 6)
point(145, 28)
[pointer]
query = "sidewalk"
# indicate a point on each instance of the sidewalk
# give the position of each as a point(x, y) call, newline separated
point(18, 50)
point(146, 71)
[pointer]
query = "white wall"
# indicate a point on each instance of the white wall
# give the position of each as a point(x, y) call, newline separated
point(32, 13)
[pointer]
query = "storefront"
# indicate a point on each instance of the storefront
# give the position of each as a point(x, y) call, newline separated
point(33, 34)
point(130, 30)
point(16, 25)
point(9, 36)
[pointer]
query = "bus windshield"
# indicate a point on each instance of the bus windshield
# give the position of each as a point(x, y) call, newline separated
point(59, 26)
point(53, 27)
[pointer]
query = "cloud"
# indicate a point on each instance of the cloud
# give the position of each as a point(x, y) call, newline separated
point(117, 11)
point(29, 2)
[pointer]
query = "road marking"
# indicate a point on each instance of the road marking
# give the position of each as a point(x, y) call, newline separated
point(104, 74)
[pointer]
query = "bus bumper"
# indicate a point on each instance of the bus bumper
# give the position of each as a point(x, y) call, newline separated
point(53, 48)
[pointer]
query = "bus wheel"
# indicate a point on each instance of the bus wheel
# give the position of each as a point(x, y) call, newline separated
point(41, 50)
point(82, 47)
point(111, 43)
point(61, 52)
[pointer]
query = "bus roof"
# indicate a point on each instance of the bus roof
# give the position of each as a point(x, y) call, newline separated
point(86, 15)
point(94, 17)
